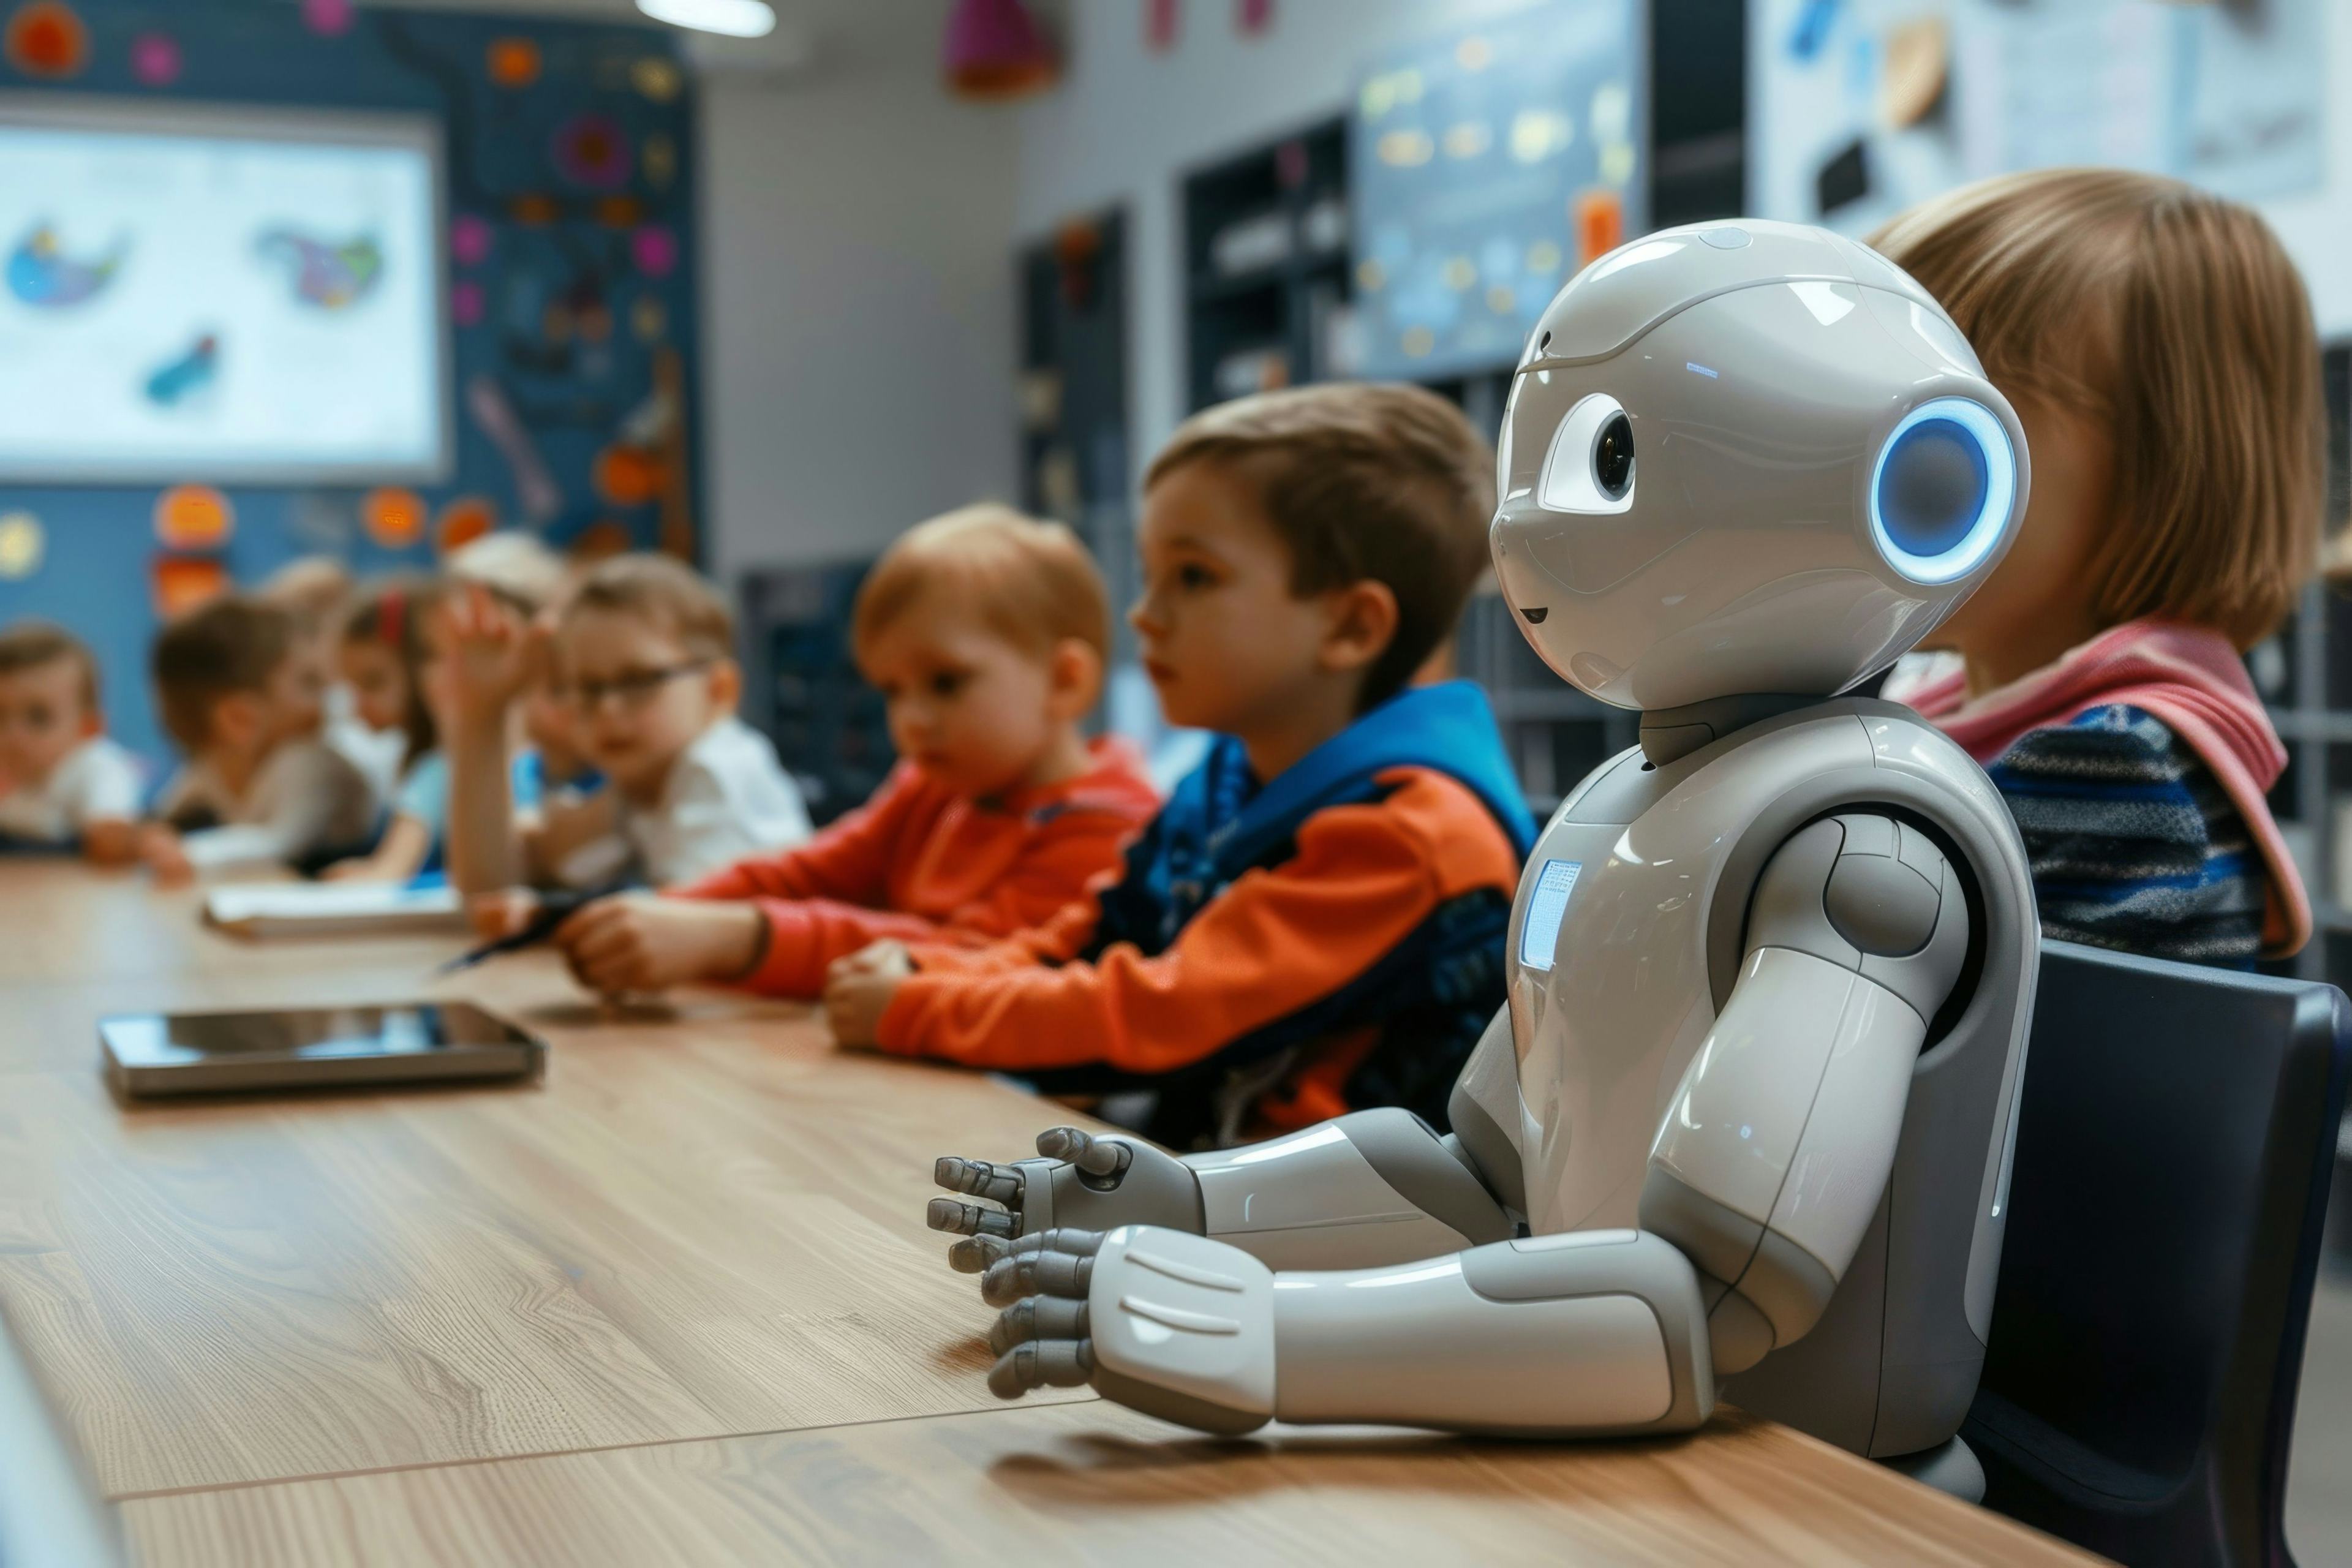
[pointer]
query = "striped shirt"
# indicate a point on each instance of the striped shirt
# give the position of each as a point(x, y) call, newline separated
point(2134, 844)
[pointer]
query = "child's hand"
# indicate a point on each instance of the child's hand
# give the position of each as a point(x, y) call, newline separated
point(888, 956)
point(489, 655)
point(160, 848)
point(643, 942)
point(497, 916)
point(858, 989)
point(355, 869)
point(110, 841)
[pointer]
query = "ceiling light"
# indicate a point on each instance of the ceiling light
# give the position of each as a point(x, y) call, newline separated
point(735, 18)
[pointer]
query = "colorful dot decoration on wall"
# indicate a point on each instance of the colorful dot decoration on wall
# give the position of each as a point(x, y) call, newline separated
point(628, 476)
point(470, 238)
point(534, 209)
point(193, 517)
point(155, 60)
point(22, 545)
point(47, 38)
point(660, 80)
point(463, 520)
point(394, 517)
point(592, 150)
point(467, 304)
point(658, 157)
point(1163, 20)
point(649, 319)
point(182, 583)
point(513, 63)
point(655, 250)
point(328, 18)
point(1253, 18)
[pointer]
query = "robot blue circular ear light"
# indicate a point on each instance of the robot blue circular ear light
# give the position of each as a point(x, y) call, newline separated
point(1941, 490)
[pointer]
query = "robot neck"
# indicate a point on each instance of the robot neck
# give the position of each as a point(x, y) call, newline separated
point(1670, 734)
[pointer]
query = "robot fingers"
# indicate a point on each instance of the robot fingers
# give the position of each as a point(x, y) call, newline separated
point(1042, 1363)
point(973, 1254)
point(970, 1219)
point(997, 1184)
point(1040, 1273)
point(978, 1254)
point(1099, 1157)
point(1037, 1317)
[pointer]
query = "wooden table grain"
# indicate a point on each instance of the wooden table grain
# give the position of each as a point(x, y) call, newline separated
point(675, 1304)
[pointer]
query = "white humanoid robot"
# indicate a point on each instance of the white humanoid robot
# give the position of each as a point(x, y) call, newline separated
point(1746, 1118)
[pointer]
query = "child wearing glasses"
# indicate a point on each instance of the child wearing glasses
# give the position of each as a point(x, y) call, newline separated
point(644, 649)
point(986, 634)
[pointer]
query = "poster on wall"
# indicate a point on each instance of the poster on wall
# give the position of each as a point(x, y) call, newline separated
point(1488, 166)
point(1861, 108)
point(189, 293)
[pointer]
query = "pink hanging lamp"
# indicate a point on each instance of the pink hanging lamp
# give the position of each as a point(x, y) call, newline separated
point(994, 49)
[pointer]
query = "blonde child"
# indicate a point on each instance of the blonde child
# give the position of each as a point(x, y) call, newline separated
point(643, 647)
point(68, 783)
point(986, 632)
point(242, 699)
point(1315, 920)
point(2157, 345)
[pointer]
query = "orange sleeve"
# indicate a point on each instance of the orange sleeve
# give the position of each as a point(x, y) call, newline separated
point(1363, 878)
point(849, 860)
point(1060, 863)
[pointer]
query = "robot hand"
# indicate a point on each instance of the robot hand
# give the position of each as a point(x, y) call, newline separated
point(1082, 1181)
point(1174, 1325)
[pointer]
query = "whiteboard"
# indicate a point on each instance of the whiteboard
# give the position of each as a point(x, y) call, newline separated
point(219, 294)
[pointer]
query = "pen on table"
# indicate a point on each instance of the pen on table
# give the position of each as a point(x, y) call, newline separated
point(553, 910)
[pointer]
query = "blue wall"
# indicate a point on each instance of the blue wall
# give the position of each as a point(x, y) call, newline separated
point(556, 242)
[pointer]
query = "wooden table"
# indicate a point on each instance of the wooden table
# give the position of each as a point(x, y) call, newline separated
point(676, 1304)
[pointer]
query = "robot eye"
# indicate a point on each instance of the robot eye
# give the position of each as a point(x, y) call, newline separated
point(1942, 489)
point(1590, 468)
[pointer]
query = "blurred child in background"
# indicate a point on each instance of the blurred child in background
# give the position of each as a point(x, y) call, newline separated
point(643, 647)
point(1315, 921)
point(382, 657)
point(318, 590)
point(987, 633)
point(67, 784)
point(241, 697)
point(2157, 345)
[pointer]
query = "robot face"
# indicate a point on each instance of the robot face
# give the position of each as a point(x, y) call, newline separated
point(1749, 457)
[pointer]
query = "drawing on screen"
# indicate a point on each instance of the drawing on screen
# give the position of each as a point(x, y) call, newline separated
point(44, 277)
point(181, 379)
point(328, 277)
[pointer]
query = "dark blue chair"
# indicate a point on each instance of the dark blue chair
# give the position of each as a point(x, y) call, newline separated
point(2175, 1145)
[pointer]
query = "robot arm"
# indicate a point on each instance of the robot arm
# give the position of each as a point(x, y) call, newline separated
point(1371, 1187)
point(1769, 1165)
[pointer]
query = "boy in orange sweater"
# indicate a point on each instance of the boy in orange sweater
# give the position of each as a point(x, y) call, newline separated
point(986, 634)
point(1315, 921)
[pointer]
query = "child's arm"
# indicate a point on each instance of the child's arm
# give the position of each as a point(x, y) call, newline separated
point(106, 805)
point(1363, 880)
point(399, 855)
point(490, 656)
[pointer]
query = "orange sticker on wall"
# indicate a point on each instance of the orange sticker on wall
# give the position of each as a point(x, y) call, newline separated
point(395, 518)
point(182, 583)
point(512, 62)
point(193, 517)
point(463, 520)
point(1600, 223)
point(47, 39)
point(627, 476)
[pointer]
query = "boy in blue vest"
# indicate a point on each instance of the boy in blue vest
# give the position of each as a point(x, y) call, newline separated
point(1313, 923)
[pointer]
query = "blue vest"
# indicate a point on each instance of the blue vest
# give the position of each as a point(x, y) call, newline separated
point(1431, 994)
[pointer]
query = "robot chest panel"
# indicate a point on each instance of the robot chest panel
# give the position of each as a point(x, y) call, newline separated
point(1608, 998)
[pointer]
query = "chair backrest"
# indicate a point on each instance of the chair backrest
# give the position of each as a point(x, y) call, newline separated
point(2174, 1142)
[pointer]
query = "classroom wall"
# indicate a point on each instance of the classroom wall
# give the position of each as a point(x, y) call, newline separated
point(578, 281)
point(1128, 122)
point(858, 283)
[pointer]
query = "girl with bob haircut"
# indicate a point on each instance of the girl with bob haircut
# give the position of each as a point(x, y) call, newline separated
point(2157, 345)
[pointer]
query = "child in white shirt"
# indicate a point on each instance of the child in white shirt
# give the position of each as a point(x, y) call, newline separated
point(644, 648)
point(243, 701)
point(65, 783)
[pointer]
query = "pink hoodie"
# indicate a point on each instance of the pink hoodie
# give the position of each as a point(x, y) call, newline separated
point(2190, 678)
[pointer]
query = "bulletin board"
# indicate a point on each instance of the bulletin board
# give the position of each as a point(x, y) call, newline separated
point(563, 263)
point(1858, 109)
point(1489, 164)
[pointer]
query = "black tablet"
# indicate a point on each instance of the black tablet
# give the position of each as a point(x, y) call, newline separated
point(150, 1054)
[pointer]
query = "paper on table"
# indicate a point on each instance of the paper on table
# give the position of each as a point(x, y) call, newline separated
point(279, 909)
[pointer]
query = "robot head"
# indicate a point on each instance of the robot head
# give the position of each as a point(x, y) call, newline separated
point(1746, 457)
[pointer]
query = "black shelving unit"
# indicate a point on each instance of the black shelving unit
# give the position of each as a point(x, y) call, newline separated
point(1268, 267)
point(802, 689)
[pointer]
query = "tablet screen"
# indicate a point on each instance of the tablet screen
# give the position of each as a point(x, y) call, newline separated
point(308, 1034)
